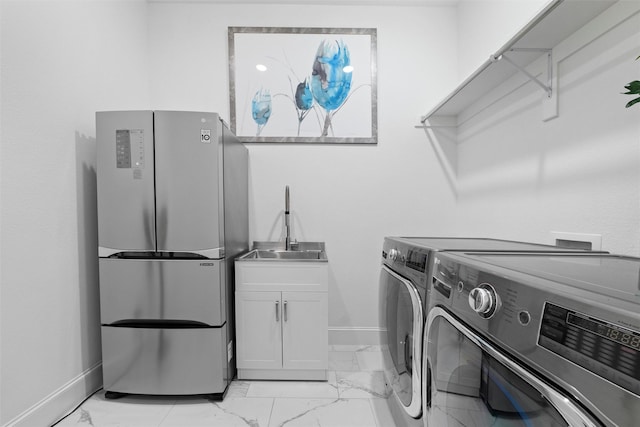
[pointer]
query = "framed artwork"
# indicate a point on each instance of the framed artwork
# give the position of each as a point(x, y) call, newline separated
point(303, 85)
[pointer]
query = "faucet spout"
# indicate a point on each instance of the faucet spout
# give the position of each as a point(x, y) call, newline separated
point(286, 199)
point(287, 225)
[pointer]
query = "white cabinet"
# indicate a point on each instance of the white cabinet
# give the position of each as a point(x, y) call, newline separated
point(281, 320)
point(258, 330)
point(304, 330)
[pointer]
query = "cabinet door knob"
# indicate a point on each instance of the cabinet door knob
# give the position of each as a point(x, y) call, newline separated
point(277, 311)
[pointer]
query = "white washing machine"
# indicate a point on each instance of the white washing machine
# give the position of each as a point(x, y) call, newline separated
point(532, 340)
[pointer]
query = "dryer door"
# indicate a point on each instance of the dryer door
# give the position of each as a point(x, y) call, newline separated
point(401, 309)
point(469, 381)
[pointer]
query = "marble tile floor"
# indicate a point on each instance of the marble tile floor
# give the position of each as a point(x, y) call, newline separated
point(354, 395)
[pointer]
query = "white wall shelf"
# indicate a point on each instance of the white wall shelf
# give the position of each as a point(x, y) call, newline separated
point(558, 20)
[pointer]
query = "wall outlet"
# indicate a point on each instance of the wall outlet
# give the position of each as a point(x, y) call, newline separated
point(577, 240)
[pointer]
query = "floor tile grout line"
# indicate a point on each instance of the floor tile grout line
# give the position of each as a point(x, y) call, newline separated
point(173, 405)
point(373, 413)
point(273, 404)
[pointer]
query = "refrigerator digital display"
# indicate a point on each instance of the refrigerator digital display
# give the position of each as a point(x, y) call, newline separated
point(129, 148)
point(123, 149)
point(137, 147)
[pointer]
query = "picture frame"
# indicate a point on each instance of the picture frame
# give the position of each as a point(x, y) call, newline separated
point(303, 85)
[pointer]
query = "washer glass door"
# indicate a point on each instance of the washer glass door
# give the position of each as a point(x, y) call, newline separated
point(401, 309)
point(468, 381)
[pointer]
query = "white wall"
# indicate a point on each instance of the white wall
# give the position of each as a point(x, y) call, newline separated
point(484, 26)
point(64, 60)
point(521, 178)
point(518, 177)
point(348, 196)
point(61, 61)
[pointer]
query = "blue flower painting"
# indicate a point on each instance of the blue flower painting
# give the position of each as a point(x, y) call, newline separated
point(329, 86)
point(303, 100)
point(330, 83)
point(303, 96)
point(331, 78)
point(261, 108)
point(318, 86)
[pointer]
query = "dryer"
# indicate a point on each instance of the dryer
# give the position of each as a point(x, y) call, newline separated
point(532, 339)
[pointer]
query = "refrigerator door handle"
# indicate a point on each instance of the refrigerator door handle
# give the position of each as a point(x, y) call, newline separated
point(150, 227)
point(161, 226)
point(213, 253)
point(158, 324)
point(104, 252)
point(126, 254)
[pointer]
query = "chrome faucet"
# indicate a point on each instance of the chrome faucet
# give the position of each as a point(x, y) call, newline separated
point(287, 225)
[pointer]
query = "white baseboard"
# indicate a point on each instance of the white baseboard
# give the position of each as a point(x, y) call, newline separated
point(356, 335)
point(62, 401)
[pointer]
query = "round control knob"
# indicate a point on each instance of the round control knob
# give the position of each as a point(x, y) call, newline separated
point(484, 300)
point(393, 254)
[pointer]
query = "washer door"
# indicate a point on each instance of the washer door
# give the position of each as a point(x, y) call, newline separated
point(468, 381)
point(401, 309)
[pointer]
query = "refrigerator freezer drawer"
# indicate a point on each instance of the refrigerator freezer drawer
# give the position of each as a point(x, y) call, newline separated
point(147, 289)
point(165, 361)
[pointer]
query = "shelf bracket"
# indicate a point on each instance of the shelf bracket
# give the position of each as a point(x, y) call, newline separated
point(437, 122)
point(548, 86)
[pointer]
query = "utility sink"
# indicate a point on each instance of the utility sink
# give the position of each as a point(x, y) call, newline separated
point(288, 255)
point(302, 251)
point(282, 312)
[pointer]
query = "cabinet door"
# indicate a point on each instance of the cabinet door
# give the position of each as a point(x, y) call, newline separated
point(305, 330)
point(258, 326)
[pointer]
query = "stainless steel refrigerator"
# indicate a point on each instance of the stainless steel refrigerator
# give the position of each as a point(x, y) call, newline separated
point(172, 216)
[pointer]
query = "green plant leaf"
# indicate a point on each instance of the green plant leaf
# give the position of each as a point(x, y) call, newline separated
point(633, 101)
point(633, 87)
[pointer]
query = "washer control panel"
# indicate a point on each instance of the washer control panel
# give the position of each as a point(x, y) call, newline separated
point(610, 350)
point(484, 300)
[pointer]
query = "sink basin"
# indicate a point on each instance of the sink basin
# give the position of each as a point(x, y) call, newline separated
point(305, 251)
point(292, 255)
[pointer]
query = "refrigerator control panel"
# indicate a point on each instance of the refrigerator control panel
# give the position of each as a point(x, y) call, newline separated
point(130, 148)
